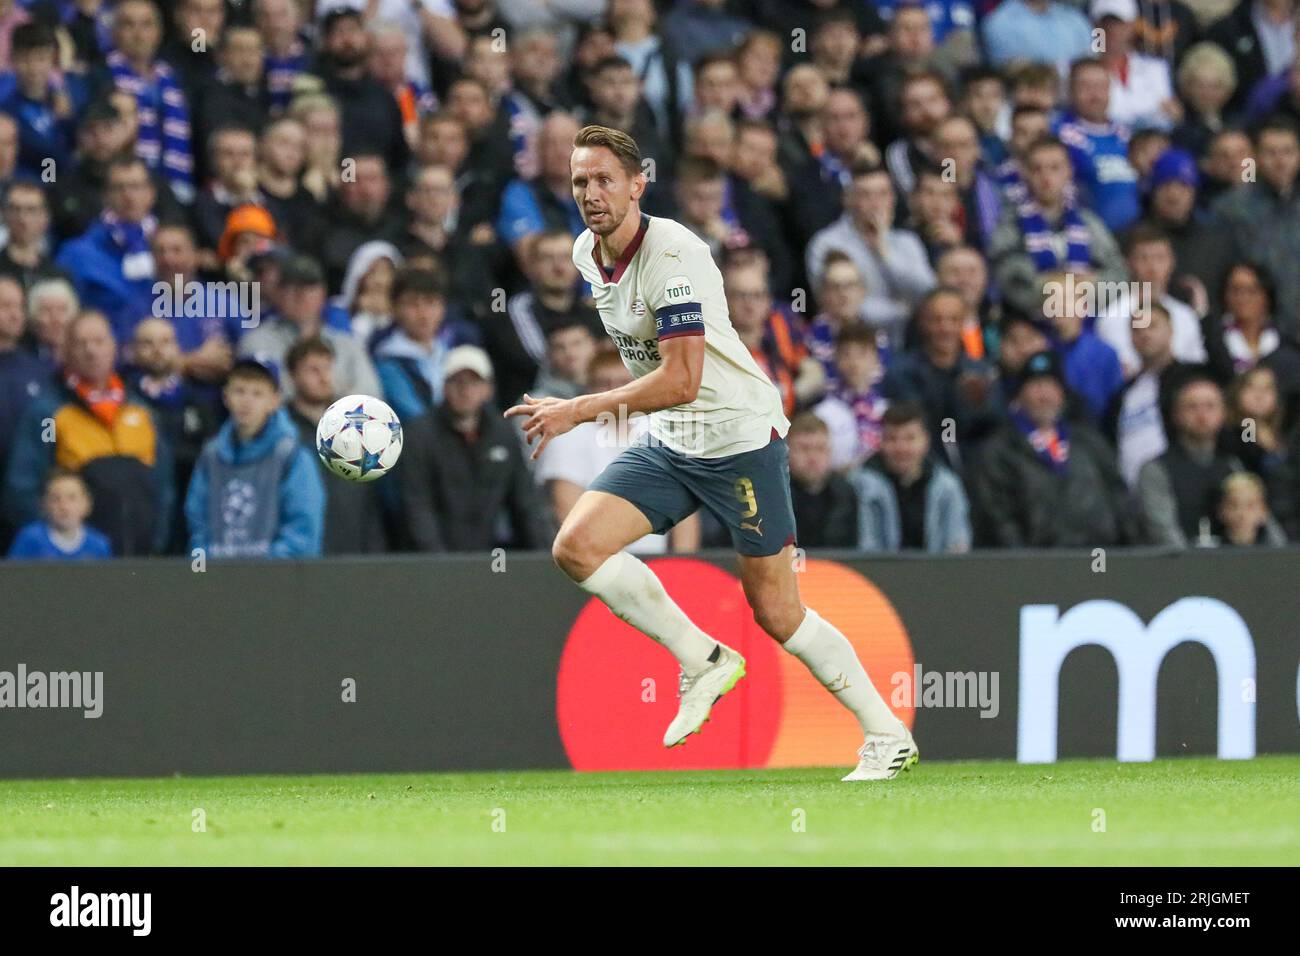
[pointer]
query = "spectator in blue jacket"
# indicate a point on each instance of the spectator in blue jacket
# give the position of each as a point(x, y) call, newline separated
point(45, 103)
point(907, 499)
point(256, 490)
point(410, 360)
point(63, 534)
point(1041, 31)
point(111, 263)
point(1092, 368)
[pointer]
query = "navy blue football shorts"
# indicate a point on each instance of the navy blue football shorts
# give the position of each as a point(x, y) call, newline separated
point(748, 493)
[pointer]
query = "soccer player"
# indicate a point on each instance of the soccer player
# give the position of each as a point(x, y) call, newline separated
point(716, 439)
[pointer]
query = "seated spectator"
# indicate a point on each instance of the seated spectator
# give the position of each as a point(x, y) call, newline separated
point(1258, 36)
point(570, 348)
point(964, 269)
point(232, 158)
point(354, 523)
point(957, 138)
point(841, 297)
point(986, 104)
point(45, 102)
point(516, 340)
point(825, 138)
point(51, 306)
point(1092, 368)
point(1150, 257)
point(22, 375)
point(256, 491)
point(111, 263)
point(1207, 81)
point(1263, 216)
point(1043, 482)
point(726, 214)
point(164, 136)
point(299, 313)
point(770, 336)
point(1019, 338)
point(410, 359)
point(63, 534)
point(923, 105)
point(1257, 422)
point(1141, 89)
point(935, 213)
point(956, 390)
point(361, 212)
point(104, 136)
point(571, 462)
point(439, 226)
point(892, 262)
point(1201, 252)
point(1048, 232)
point(909, 49)
point(907, 499)
point(1099, 147)
point(825, 507)
point(463, 469)
point(1040, 31)
point(1135, 421)
point(371, 119)
point(282, 161)
point(853, 407)
point(530, 207)
point(1177, 490)
point(103, 433)
point(206, 336)
point(248, 232)
point(236, 93)
point(187, 413)
point(367, 288)
point(1248, 331)
point(1243, 513)
point(25, 255)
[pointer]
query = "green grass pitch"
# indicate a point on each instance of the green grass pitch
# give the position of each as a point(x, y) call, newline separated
point(1187, 811)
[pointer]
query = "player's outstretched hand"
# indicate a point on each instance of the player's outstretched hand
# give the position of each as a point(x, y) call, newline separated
point(547, 418)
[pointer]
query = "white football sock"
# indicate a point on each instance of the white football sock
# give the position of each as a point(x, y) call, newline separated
point(634, 594)
point(831, 658)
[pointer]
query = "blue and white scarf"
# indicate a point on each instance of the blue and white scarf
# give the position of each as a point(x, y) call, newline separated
point(163, 141)
point(1040, 245)
point(132, 239)
point(281, 73)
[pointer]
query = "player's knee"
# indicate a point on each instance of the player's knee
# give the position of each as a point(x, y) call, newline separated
point(575, 553)
point(778, 619)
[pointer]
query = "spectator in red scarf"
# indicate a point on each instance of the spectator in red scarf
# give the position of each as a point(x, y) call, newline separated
point(92, 426)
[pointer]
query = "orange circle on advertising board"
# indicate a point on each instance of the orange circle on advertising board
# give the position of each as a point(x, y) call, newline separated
point(616, 691)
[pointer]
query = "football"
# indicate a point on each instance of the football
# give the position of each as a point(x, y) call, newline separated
point(359, 438)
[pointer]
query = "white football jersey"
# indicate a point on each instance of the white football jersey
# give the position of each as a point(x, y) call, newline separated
point(666, 284)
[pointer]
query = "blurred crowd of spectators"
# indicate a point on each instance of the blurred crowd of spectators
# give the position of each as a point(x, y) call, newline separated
point(1025, 272)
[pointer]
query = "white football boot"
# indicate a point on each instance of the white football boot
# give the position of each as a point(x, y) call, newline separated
point(699, 693)
point(884, 756)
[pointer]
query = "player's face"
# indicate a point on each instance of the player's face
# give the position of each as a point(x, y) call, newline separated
point(602, 188)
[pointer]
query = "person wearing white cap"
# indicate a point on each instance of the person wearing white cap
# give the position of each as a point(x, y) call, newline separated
point(1141, 88)
point(463, 475)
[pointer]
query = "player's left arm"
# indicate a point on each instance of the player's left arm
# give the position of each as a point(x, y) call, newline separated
point(674, 292)
point(675, 382)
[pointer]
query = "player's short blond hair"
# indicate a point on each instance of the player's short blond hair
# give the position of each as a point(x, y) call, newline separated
point(616, 141)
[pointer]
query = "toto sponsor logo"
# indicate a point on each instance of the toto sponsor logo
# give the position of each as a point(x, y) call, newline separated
point(1047, 637)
